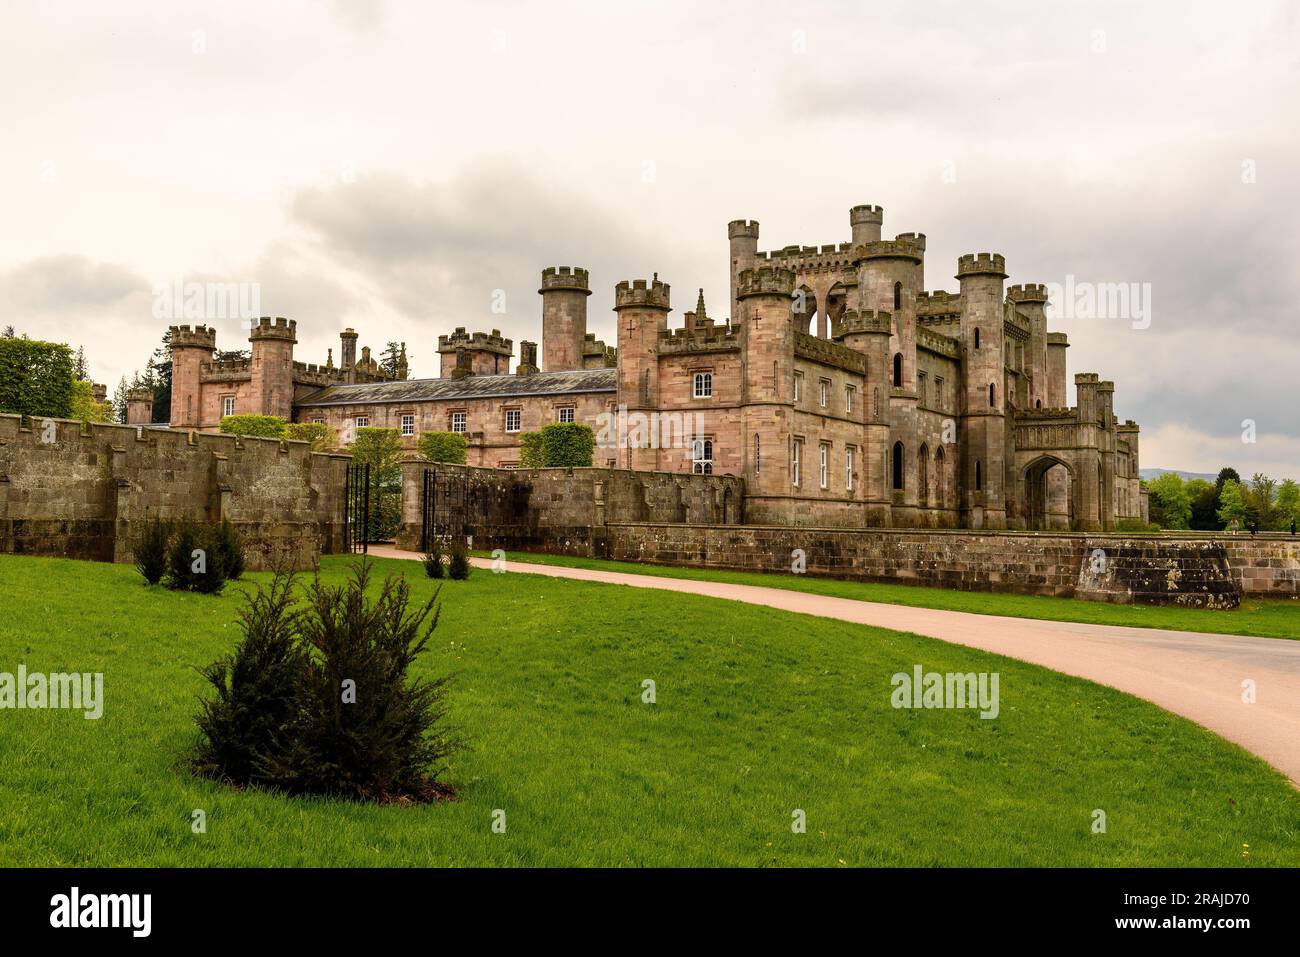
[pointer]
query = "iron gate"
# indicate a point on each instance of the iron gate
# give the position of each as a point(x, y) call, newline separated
point(444, 506)
point(356, 512)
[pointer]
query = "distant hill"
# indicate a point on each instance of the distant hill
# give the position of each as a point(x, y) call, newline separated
point(1156, 473)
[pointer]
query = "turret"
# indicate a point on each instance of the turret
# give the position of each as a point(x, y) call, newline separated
point(527, 358)
point(766, 321)
point(642, 309)
point(190, 349)
point(272, 342)
point(1057, 343)
point(489, 353)
point(139, 406)
point(743, 235)
point(865, 221)
point(888, 281)
point(564, 292)
point(1031, 300)
point(984, 438)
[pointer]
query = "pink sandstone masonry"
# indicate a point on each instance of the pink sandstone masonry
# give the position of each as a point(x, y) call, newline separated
point(82, 494)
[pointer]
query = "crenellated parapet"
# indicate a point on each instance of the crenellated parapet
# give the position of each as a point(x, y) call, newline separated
point(828, 353)
point(766, 281)
point(938, 344)
point(476, 342)
point(573, 278)
point(198, 337)
point(597, 355)
point(855, 322)
point(939, 304)
point(705, 338)
point(641, 293)
point(277, 328)
point(1027, 292)
point(742, 229)
point(982, 264)
point(900, 248)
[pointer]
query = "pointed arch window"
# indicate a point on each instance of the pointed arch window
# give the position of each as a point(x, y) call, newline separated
point(898, 370)
point(898, 465)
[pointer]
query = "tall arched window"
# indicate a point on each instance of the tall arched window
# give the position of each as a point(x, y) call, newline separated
point(977, 338)
point(993, 400)
point(939, 490)
point(898, 465)
point(979, 477)
point(898, 370)
point(898, 295)
point(923, 475)
point(758, 455)
point(1038, 404)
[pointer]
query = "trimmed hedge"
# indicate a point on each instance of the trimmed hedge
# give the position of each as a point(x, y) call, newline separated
point(323, 438)
point(558, 445)
point(258, 426)
point(449, 448)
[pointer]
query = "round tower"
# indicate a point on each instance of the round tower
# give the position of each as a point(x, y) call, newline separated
point(983, 441)
point(272, 342)
point(767, 323)
point(743, 236)
point(865, 221)
point(642, 309)
point(190, 349)
point(564, 294)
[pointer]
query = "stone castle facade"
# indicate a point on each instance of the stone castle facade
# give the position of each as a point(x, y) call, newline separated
point(840, 389)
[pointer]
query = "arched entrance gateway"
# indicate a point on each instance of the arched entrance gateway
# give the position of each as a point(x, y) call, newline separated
point(1048, 484)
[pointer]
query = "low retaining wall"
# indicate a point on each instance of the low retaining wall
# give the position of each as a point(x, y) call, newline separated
point(80, 493)
point(1044, 564)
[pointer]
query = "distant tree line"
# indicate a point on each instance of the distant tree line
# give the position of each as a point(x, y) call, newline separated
point(1199, 505)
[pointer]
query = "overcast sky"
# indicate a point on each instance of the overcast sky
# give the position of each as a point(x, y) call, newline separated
point(390, 165)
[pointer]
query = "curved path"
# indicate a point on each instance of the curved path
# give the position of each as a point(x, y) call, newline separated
point(1196, 675)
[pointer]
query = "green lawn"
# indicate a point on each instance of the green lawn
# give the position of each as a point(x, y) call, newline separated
point(1267, 618)
point(758, 713)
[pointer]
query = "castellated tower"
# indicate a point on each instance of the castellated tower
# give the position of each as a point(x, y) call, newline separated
point(983, 433)
point(767, 325)
point(272, 344)
point(642, 309)
point(1031, 299)
point(869, 332)
point(743, 235)
point(865, 221)
point(564, 294)
point(190, 349)
point(1057, 343)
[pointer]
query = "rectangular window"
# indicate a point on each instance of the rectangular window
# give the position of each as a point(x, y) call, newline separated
point(920, 388)
point(228, 405)
point(566, 414)
point(798, 385)
point(796, 453)
point(513, 417)
point(849, 392)
point(848, 469)
point(823, 463)
point(703, 385)
point(824, 392)
point(758, 455)
point(408, 424)
point(317, 421)
point(938, 393)
point(363, 422)
point(458, 422)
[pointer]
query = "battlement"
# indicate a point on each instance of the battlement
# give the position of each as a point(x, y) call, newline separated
point(476, 342)
point(1028, 292)
point(938, 303)
point(1105, 385)
point(938, 343)
point(982, 264)
point(742, 229)
point(853, 322)
point(218, 369)
point(596, 348)
point(866, 214)
point(765, 281)
point(278, 328)
point(139, 395)
point(1058, 339)
point(916, 239)
point(1086, 378)
point(700, 338)
point(640, 293)
point(573, 278)
point(200, 337)
point(828, 353)
point(900, 248)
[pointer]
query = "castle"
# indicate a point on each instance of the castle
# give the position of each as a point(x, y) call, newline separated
point(840, 389)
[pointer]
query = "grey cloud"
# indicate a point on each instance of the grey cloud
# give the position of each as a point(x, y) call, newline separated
point(57, 284)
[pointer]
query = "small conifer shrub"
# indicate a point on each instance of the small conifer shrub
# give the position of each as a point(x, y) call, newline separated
point(149, 548)
point(196, 561)
point(459, 567)
point(433, 566)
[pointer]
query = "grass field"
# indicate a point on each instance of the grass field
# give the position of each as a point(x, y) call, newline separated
point(758, 713)
point(1267, 618)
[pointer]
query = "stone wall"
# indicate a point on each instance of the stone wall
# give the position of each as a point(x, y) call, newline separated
point(558, 510)
point(1045, 564)
point(80, 492)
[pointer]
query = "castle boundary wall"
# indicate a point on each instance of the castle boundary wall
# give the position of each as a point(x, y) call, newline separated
point(79, 492)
